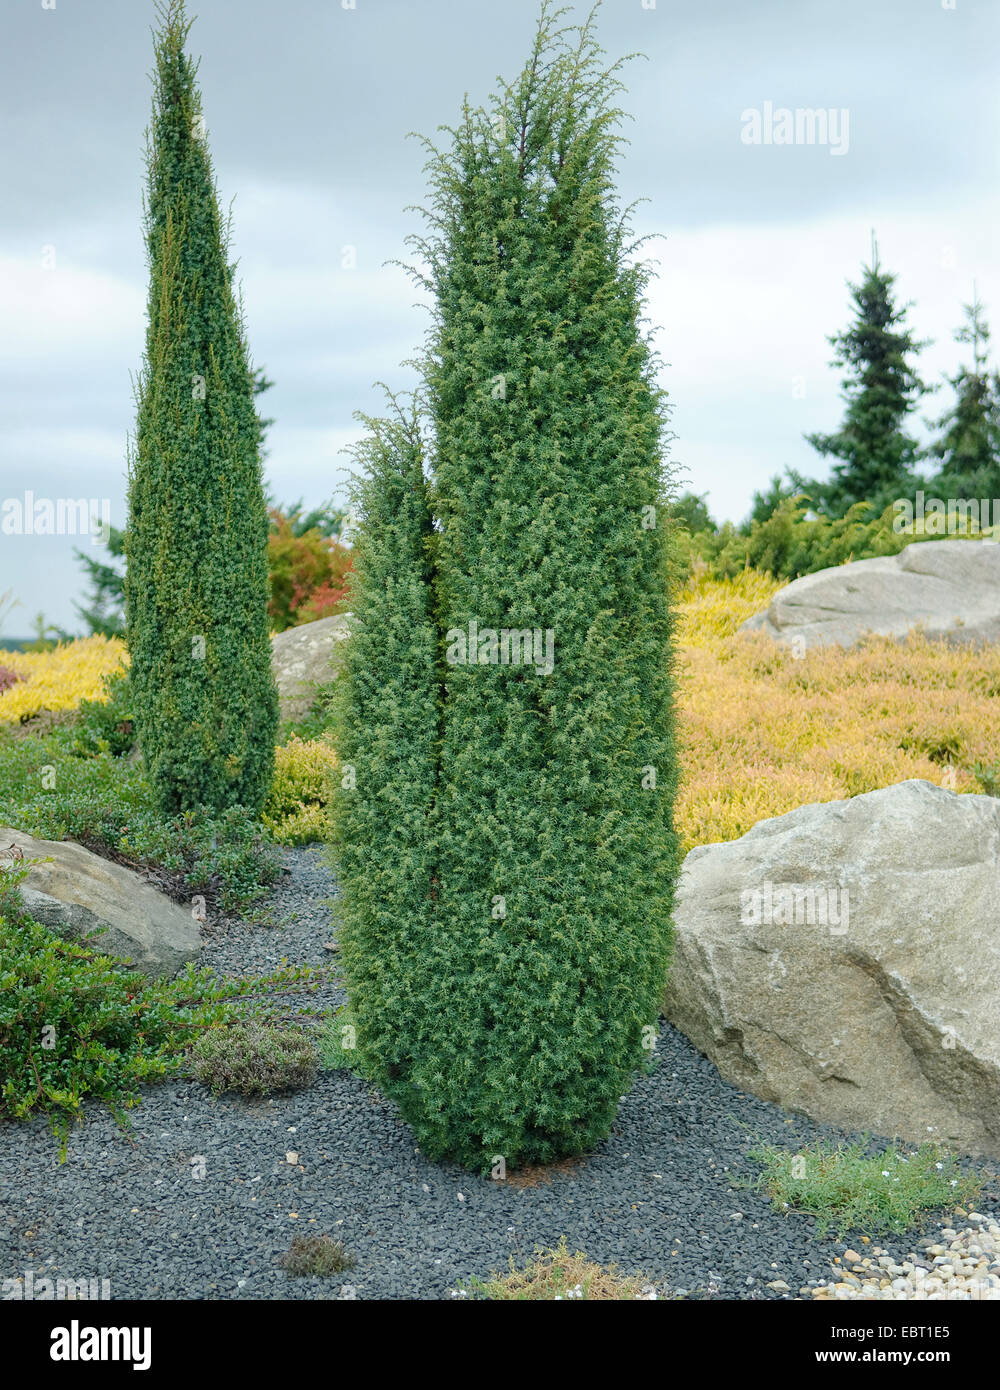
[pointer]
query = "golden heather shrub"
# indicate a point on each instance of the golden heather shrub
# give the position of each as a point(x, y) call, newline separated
point(58, 680)
point(708, 609)
point(762, 732)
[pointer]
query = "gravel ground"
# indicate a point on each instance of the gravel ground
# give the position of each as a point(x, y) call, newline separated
point(657, 1197)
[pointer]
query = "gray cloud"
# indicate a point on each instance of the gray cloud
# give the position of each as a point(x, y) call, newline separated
point(308, 106)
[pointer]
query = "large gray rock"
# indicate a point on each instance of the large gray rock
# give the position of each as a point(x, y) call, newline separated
point(304, 658)
point(888, 1016)
point(949, 588)
point(78, 893)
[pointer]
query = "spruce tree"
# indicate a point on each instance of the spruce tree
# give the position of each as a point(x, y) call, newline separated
point(969, 444)
point(196, 546)
point(517, 950)
point(876, 455)
point(103, 610)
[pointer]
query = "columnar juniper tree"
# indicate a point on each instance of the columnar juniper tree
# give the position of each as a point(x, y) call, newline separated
point(507, 946)
point(388, 748)
point(197, 578)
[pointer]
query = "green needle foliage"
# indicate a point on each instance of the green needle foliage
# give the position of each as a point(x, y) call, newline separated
point(505, 961)
point(387, 741)
point(875, 455)
point(969, 446)
point(197, 576)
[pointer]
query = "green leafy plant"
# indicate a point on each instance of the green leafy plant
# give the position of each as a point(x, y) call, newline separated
point(103, 609)
point(295, 812)
point(107, 726)
point(849, 1188)
point(105, 803)
point(316, 1256)
point(47, 635)
point(308, 572)
point(969, 445)
point(78, 1026)
point(255, 1059)
point(988, 777)
point(873, 452)
point(319, 720)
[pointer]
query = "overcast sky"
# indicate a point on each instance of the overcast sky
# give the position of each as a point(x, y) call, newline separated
point(308, 105)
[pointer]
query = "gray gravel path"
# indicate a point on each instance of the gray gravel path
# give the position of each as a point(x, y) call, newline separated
point(656, 1197)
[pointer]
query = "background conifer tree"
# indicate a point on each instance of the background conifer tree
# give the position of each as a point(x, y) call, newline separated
point(876, 455)
point(519, 989)
point(196, 547)
point(103, 609)
point(969, 443)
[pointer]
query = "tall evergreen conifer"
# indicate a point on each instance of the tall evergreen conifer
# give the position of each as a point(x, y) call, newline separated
point(388, 746)
point(520, 955)
point(197, 579)
point(969, 445)
point(876, 455)
point(103, 610)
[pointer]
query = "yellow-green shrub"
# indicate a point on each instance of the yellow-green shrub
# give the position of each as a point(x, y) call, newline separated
point(762, 732)
point(295, 810)
point(709, 609)
point(58, 680)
